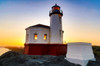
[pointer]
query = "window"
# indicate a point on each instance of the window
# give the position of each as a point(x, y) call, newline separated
point(45, 36)
point(35, 36)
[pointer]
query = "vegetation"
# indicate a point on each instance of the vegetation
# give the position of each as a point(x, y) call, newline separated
point(20, 50)
point(96, 51)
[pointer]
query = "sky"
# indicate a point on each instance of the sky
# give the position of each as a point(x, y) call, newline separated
point(80, 21)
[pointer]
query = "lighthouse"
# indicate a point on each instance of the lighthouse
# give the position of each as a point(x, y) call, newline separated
point(56, 33)
point(46, 40)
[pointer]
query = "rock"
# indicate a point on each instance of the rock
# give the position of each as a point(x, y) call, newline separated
point(94, 63)
point(15, 59)
point(9, 54)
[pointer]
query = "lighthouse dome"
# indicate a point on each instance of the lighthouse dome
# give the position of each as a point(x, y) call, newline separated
point(38, 34)
point(55, 6)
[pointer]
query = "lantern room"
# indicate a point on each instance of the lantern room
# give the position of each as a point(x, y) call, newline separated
point(56, 10)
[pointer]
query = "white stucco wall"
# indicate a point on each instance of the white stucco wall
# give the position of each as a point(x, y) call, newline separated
point(79, 53)
point(40, 33)
point(56, 34)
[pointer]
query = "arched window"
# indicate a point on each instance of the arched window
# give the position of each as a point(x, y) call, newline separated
point(45, 36)
point(35, 36)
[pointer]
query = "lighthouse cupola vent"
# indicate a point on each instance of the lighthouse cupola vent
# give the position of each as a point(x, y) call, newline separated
point(56, 10)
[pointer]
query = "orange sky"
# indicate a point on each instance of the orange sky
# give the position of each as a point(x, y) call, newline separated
point(81, 22)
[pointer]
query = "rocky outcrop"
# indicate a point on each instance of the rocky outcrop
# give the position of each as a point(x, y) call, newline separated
point(14, 59)
point(9, 54)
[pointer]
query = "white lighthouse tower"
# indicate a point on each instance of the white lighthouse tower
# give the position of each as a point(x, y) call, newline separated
point(56, 33)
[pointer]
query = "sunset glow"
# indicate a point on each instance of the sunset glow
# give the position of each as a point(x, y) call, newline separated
point(80, 21)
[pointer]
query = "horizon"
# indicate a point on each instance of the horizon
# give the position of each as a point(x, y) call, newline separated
point(80, 21)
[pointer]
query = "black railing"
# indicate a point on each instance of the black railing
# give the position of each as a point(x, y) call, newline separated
point(51, 11)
